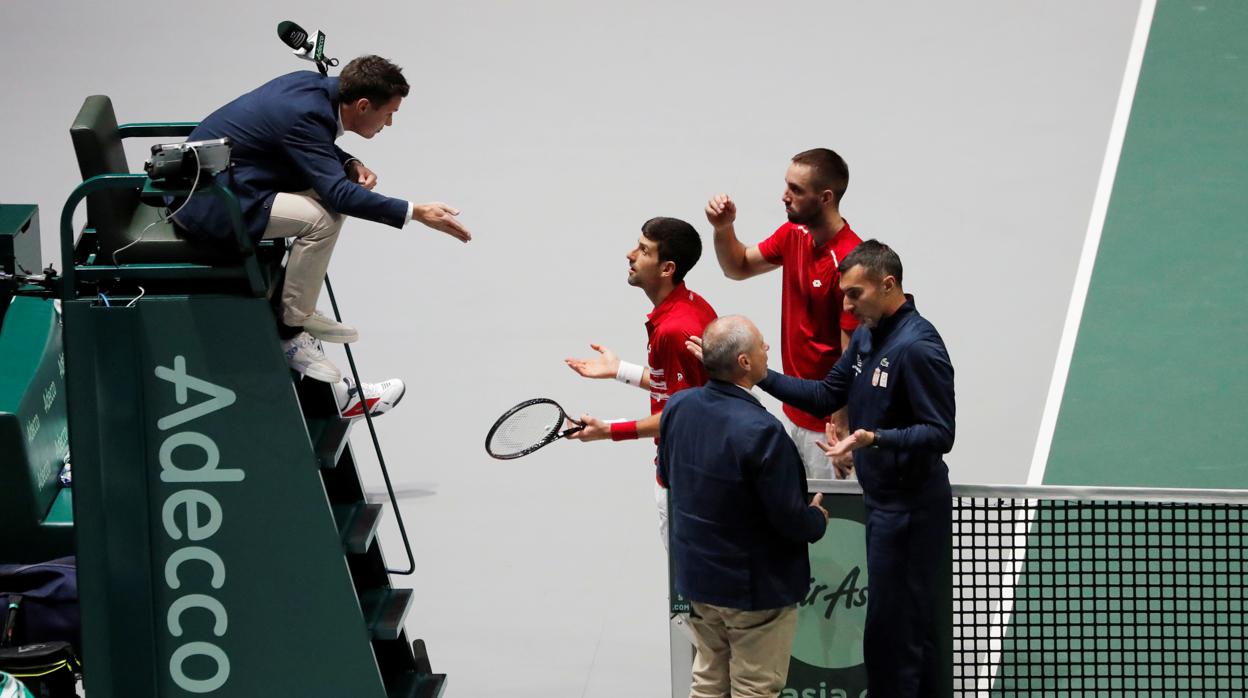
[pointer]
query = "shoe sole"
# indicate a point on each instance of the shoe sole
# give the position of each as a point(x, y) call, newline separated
point(321, 375)
point(334, 336)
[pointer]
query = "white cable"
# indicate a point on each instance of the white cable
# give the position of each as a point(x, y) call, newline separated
point(136, 298)
point(163, 219)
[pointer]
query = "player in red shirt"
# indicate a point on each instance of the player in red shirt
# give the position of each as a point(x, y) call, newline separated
point(666, 251)
point(814, 327)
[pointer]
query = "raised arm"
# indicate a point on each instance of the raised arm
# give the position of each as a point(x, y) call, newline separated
point(737, 260)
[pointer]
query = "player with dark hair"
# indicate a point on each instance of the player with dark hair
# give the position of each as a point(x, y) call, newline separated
point(897, 381)
point(666, 250)
point(809, 247)
point(293, 181)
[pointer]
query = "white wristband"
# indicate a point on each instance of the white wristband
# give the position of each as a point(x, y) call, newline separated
point(630, 374)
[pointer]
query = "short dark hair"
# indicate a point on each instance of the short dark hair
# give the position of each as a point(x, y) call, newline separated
point(876, 258)
point(373, 78)
point(678, 242)
point(828, 170)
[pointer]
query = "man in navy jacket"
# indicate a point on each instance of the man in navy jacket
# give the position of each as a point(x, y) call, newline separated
point(897, 381)
point(293, 181)
point(740, 523)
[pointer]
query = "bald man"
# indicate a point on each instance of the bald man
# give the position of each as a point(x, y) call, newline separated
point(740, 522)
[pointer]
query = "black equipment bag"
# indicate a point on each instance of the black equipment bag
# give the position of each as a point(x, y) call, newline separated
point(48, 669)
point(39, 603)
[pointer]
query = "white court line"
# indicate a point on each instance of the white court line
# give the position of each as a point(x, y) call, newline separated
point(1070, 332)
point(1091, 243)
point(999, 622)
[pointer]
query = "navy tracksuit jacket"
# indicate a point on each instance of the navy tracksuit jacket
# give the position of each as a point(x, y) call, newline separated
point(282, 140)
point(897, 381)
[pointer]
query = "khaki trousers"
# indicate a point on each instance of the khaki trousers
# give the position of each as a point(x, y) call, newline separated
point(742, 654)
point(315, 229)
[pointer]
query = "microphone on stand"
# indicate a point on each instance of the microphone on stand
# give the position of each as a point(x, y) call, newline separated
point(293, 36)
point(310, 47)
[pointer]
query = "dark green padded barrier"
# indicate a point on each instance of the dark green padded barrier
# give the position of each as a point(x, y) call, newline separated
point(218, 554)
point(34, 436)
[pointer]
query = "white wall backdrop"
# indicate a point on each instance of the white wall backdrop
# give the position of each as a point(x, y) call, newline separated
point(974, 132)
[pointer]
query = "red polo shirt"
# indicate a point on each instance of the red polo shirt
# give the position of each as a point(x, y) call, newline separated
point(683, 314)
point(812, 312)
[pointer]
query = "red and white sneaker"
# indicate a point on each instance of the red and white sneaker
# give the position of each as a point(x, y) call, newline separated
point(381, 397)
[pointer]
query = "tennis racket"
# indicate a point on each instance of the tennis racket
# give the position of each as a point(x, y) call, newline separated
point(527, 427)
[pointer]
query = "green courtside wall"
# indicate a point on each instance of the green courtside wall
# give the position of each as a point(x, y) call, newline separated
point(1157, 393)
point(34, 436)
point(209, 560)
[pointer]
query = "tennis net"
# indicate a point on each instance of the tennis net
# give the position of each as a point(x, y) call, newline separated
point(1098, 591)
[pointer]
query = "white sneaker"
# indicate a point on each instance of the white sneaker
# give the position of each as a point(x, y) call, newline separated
point(381, 397)
point(305, 355)
point(321, 326)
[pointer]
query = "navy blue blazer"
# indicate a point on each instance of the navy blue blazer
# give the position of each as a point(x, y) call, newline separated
point(898, 382)
point(283, 141)
point(740, 522)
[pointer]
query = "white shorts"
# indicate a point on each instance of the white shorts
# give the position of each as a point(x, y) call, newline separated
point(660, 501)
point(818, 465)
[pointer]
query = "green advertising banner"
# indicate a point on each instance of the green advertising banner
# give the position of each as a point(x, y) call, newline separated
point(209, 558)
point(34, 435)
point(827, 650)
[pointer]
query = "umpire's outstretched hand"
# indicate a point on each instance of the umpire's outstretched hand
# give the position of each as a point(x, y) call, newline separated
point(440, 216)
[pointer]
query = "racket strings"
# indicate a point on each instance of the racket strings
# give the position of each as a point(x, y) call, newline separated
point(526, 428)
